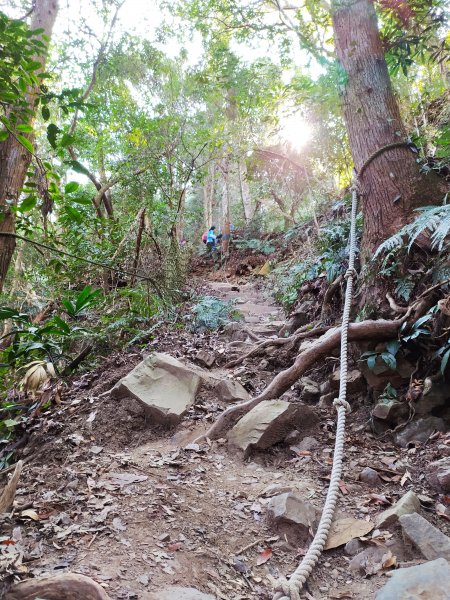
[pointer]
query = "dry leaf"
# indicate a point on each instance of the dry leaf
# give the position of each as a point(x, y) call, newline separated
point(342, 487)
point(406, 476)
point(389, 560)
point(345, 529)
point(31, 514)
point(264, 556)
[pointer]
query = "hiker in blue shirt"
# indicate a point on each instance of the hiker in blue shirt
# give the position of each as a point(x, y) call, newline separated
point(211, 239)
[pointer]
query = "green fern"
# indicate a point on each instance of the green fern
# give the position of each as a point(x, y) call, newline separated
point(434, 219)
point(404, 288)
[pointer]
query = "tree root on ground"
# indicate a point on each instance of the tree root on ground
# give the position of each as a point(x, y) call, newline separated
point(365, 330)
point(68, 587)
point(281, 341)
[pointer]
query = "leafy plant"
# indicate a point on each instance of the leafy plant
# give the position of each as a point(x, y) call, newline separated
point(416, 329)
point(262, 246)
point(388, 356)
point(211, 313)
point(444, 354)
point(85, 299)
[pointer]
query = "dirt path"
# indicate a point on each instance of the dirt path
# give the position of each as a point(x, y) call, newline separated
point(139, 509)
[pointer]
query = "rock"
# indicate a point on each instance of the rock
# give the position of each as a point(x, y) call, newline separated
point(438, 474)
point(309, 389)
point(370, 476)
point(206, 358)
point(353, 546)
point(371, 559)
point(235, 332)
point(390, 410)
point(268, 423)
point(293, 437)
point(409, 503)
point(419, 431)
point(178, 593)
point(163, 385)
point(429, 581)
point(307, 444)
point(69, 586)
point(292, 517)
point(355, 381)
point(326, 400)
point(228, 390)
point(431, 542)
point(381, 375)
point(437, 395)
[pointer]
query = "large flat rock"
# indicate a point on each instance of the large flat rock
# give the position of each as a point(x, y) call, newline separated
point(178, 593)
point(269, 423)
point(163, 385)
point(408, 503)
point(292, 517)
point(429, 581)
point(429, 540)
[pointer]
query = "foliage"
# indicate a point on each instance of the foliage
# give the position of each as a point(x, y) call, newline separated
point(263, 246)
point(211, 313)
point(85, 299)
point(387, 355)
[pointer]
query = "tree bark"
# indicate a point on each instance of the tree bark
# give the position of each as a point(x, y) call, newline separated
point(391, 186)
point(225, 205)
point(245, 191)
point(14, 158)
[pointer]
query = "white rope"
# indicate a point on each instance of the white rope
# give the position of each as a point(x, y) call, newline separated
point(290, 590)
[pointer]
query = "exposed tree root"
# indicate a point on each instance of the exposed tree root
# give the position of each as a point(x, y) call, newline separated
point(366, 330)
point(59, 587)
point(281, 341)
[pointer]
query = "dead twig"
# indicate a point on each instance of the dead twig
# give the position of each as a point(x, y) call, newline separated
point(9, 493)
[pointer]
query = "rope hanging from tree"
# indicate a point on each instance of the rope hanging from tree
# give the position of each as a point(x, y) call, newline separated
point(290, 589)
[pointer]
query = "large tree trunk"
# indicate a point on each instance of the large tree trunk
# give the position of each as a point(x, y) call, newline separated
point(391, 186)
point(224, 166)
point(14, 158)
point(245, 190)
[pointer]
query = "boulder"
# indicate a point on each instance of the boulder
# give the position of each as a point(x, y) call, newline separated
point(438, 474)
point(355, 381)
point(163, 385)
point(409, 503)
point(419, 431)
point(268, 423)
point(430, 542)
point(429, 581)
point(178, 593)
point(436, 396)
point(327, 400)
point(69, 586)
point(228, 390)
point(292, 517)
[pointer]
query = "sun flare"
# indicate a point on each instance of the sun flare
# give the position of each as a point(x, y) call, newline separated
point(295, 130)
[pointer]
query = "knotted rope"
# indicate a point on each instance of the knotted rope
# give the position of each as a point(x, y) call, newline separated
point(290, 589)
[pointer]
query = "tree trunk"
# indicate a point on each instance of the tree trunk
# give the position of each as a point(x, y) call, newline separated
point(225, 205)
point(245, 190)
point(14, 158)
point(391, 186)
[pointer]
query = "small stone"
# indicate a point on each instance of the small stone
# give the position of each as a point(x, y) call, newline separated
point(419, 431)
point(353, 546)
point(179, 593)
point(164, 537)
point(429, 581)
point(409, 503)
point(431, 542)
point(438, 474)
point(292, 517)
point(206, 358)
point(326, 400)
point(309, 389)
point(228, 390)
point(307, 444)
point(370, 476)
point(268, 423)
point(293, 437)
point(390, 410)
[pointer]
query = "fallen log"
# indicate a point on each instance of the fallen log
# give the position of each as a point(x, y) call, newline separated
point(363, 331)
point(70, 586)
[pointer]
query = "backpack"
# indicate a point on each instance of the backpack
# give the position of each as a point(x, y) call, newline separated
point(205, 237)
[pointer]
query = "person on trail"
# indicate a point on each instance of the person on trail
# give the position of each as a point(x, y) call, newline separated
point(205, 237)
point(211, 239)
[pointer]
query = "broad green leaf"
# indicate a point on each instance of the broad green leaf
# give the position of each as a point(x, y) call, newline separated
point(52, 132)
point(72, 186)
point(389, 360)
point(26, 143)
point(371, 362)
point(4, 135)
point(27, 204)
point(45, 111)
point(25, 128)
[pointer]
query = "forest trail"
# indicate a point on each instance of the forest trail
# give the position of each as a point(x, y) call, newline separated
point(140, 510)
